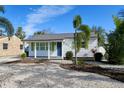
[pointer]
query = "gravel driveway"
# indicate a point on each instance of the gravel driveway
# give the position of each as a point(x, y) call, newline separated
point(50, 75)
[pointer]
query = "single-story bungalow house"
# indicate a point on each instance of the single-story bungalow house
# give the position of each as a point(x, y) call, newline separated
point(40, 45)
point(10, 47)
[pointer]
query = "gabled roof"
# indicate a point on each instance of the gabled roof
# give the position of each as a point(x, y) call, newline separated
point(47, 37)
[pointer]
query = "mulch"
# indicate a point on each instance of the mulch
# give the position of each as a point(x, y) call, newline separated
point(27, 60)
point(117, 74)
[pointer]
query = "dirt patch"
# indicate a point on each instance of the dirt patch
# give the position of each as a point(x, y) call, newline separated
point(114, 73)
point(28, 60)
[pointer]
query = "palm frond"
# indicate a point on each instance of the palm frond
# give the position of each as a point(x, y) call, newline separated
point(77, 21)
point(117, 20)
point(2, 9)
point(8, 26)
point(86, 34)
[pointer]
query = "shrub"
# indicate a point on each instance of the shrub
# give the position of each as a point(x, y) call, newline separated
point(23, 56)
point(69, 55)
point(98, 56)
point(79, 62)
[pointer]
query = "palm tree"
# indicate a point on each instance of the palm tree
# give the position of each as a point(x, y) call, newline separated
point(20, 33)
point(116, 41)
point(6, 24)
point(76, 24)
point(2, 9)
point(100, 32)
point(85, 32)
point(82, 32)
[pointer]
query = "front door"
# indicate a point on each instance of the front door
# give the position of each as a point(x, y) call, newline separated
point(59, 49)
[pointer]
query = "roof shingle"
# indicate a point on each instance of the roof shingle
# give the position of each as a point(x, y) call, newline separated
point(47, 37)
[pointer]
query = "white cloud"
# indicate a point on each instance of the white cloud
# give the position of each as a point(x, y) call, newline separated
point(42, 15)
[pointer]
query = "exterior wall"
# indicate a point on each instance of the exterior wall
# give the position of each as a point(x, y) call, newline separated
point(87, 52)
point(13, 46)
point(68, 46)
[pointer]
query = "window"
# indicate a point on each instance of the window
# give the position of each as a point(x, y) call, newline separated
point(42, 46)
point(32, 46)
point(37, 46)
point(83, 44)
point(21, 47)
point(5, 45)
point(52, 45)
point(46, 46)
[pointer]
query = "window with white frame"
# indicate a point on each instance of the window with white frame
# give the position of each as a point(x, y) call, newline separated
point(46, 48)
point(32, 46)
point(42, 46)
point(37, 46)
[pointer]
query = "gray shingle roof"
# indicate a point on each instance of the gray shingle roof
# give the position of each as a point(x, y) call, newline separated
point(47, 37)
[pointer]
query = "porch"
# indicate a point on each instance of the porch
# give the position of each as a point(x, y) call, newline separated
point(45, 49)
point(46, 57)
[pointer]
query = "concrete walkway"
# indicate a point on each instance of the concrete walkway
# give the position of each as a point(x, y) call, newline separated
point(105, 65)
point(61, 61)
point(8, 59)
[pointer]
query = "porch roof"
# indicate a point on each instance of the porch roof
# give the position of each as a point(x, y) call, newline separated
point(50, 37)
point(53, 37)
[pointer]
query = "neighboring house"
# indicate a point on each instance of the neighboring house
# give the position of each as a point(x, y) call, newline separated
point(12, 47)
point(39, 45)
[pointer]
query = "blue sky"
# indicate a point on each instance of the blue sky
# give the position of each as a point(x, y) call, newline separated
point(58, 19)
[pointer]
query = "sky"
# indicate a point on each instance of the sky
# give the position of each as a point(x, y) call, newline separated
point(59, 19)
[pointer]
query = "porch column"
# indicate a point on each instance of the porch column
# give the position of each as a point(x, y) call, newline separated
point(62, 49)
point(48, 50)
point(35, 50)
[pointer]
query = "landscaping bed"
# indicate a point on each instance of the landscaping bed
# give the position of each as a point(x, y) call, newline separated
point(114, 73)
point(28, 60)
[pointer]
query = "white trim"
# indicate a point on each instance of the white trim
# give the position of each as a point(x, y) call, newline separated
point(23, 47)
point(62, 48)
point(48, 50)
point(35, 50)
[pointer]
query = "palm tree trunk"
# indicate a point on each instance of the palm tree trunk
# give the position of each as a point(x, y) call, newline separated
point(75, 43)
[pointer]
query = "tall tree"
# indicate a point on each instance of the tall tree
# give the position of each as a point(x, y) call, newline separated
point(2, 9)
point(116, 40)
point(76, 24)
point(82, 32)
point(117, 21)
point(39, 33)
point(100, 32)
point(6, 24)
point(116, 45)
point(42, 32)
point(20, 33)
